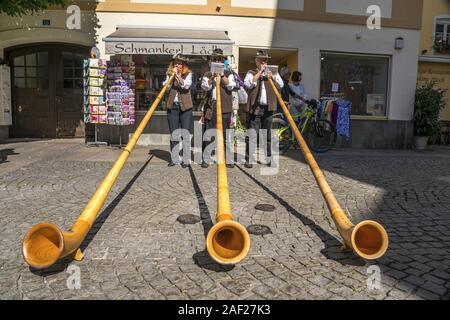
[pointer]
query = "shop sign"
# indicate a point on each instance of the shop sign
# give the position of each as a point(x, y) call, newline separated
point(165, 48)
point(376, 104)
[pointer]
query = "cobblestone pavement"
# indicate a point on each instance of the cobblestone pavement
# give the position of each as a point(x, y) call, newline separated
point(138, 250)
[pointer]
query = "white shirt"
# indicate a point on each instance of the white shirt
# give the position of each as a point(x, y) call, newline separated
point(206, 86)
point(250, 84)
point(187, 85)
point(300, 91)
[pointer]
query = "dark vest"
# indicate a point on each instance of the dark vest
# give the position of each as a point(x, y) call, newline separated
point(225, 94)
point(252, 95)
point(184, 96)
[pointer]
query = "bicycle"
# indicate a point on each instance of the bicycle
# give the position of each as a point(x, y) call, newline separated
point(319, 134)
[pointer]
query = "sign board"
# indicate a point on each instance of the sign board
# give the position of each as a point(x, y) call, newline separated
point(376, 104)
point(335, 87)
point(218, 68)
point(272, 69)
point(194, 49)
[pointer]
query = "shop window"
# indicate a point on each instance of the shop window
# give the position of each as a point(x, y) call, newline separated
point(363, 80)
point(442, 36)
point(151, 73)
point(31, 71)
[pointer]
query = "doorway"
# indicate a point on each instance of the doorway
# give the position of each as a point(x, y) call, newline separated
point(47, 90)
point(280, 57)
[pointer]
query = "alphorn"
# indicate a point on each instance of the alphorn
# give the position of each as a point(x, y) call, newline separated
point(45, 243)
point(368, 239)
point(228, 242)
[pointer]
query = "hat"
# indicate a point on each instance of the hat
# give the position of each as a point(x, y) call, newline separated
point(180, 57)
point(262, 54)
point(218, 53)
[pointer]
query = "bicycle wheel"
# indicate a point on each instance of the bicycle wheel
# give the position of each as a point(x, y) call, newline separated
point(320, 135)
point(284, 134)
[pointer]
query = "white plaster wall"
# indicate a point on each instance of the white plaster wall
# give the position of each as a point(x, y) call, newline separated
point(310, 38)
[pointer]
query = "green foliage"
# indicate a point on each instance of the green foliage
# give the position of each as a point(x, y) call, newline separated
point(22, 7)
point(239, 130)
point(427, 108)
point(239, 127)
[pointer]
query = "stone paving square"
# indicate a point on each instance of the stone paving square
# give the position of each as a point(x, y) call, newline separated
point(138, 250)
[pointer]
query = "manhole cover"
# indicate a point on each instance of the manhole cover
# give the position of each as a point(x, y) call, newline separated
point(265, 207)
point(188, 219)
point(258, 230)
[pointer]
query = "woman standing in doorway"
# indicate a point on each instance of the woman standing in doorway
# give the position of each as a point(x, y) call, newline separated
point(298, 94)
point(179, 105)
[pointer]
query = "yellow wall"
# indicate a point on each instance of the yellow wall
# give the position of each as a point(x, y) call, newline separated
point(292, 61)
point(431, 9)
point(439, 72)
point(428, 70)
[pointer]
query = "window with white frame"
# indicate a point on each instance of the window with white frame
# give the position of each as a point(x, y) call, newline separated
point(361, 79)
point(442, 35)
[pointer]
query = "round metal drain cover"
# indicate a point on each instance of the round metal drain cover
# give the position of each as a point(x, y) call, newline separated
point(188, 219)
point(259, 230)
point(265, 207)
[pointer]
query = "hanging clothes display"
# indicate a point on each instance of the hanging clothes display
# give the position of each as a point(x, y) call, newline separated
point(329, 110)
point(343, 118)
point(338, 112)
point(334, 113)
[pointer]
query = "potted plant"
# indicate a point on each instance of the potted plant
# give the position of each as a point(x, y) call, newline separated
point(428, 105)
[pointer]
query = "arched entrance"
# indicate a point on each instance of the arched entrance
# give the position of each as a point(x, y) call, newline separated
point(47, 90)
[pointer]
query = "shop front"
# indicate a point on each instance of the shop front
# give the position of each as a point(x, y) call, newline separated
point(151, 51)
point(337, 54)
point(363, 81)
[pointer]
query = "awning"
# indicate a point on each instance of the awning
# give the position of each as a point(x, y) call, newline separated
point(168, 41)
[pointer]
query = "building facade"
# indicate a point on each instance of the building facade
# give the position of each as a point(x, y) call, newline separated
point(434, 59)
point(327, 40)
